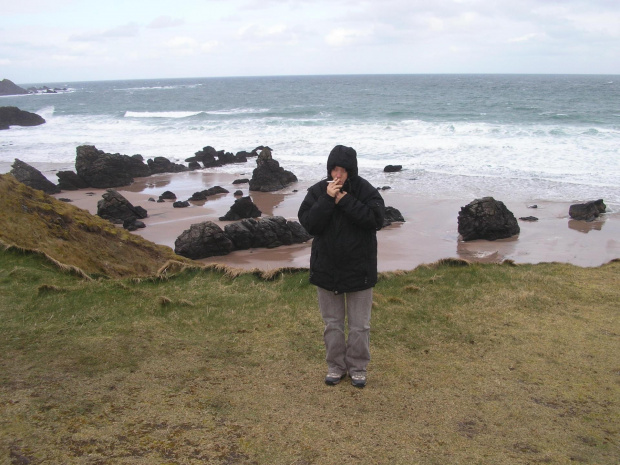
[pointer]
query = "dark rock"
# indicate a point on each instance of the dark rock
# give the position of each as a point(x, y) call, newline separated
point(241, 181)
point(32, 177)
point(133, 224)
point(181, 204)
point(207, 239)
point(167, 195)
point(62, 199)
point(486, 218)
point(385, 188)
point(104, 170)
point(208, 157)
point(70, 181)
point(528, 218)
point(194, 165)
point(202, 195)
point(587, 211)
point(117, 209)
point(242, 208)
point(265, 232)
point(10, 88)
point(392, 168)
point(392, 215)
point(532, 206)
point(238, 193)
point(299, 233)
point(203, 240)
point(163, 165)
point(268, 176)
point(13, 116)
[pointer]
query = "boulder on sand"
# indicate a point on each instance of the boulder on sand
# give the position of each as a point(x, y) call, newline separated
point(486, 218)
point(269, 176)
point(117, 209)
point(587, 211)
point(241, 209)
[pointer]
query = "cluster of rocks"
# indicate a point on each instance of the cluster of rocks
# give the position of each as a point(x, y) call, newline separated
point(211, 158)
point(489, 219)
point(207, 239)
point(13, 116)
point(95, 168)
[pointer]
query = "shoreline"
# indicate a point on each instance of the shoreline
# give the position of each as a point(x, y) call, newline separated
point(428, 234)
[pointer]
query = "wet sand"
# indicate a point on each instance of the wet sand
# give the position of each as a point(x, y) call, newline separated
point(428, 234)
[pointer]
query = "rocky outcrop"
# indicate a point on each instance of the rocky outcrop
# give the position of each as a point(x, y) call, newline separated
point(269, 176)
point(13, 116)
point(241, 209)
point(207, 239)
point(486, 218)
point(392, 215)
point(163, 165)
point(203, 240)
point(104, 170)
point(32, 177)
point(8, 87)
point(211, 158)
point(117, 209)
point(70, 181)
point(588, 211)
point(392, 168)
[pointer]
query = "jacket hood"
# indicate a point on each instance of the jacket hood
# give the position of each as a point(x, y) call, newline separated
point(346, 157)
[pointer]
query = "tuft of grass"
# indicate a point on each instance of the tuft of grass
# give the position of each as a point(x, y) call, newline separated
point(485, 364)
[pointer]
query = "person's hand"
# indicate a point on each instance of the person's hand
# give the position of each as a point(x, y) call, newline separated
point(340, 195)
point(333, 188)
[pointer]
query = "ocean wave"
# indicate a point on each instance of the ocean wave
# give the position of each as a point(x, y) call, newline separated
point(238, 111)
point(161, 114)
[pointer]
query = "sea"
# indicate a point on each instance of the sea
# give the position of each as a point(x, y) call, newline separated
point(521, 137)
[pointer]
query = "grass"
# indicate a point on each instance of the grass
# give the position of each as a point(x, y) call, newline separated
point(72, 237)
point(476, 364)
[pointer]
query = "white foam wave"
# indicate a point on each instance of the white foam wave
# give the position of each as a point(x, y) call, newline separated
point(237, 111)
point(161, 114)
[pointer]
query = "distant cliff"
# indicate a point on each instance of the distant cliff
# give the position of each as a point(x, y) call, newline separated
point(9, 88)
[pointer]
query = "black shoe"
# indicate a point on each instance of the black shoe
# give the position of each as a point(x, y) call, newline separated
point(333, 378)
point(358, 381)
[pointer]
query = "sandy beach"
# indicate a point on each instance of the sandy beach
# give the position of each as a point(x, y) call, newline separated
point(428, 234)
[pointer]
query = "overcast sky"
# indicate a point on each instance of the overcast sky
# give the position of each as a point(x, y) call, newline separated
point(43, 41)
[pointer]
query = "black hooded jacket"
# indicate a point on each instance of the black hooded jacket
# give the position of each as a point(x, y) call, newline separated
point(344, 249)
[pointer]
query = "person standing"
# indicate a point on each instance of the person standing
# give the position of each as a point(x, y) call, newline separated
point(343, 213)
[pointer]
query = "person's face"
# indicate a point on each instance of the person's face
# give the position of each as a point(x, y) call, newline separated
point(339, 174)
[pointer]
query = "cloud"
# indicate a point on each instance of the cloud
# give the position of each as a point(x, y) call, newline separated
point(341, 37)
point(525, 38)
point(259, 34)
point(186, 46)
point(124, 31)
point(163, 22)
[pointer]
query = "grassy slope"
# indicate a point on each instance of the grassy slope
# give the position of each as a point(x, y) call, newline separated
point(484, 364)
point(73, 237)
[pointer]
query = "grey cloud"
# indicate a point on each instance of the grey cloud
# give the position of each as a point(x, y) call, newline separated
point(165, 22)
point(127, 30)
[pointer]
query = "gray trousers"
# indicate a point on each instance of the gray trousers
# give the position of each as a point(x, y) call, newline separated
point(353, 354)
